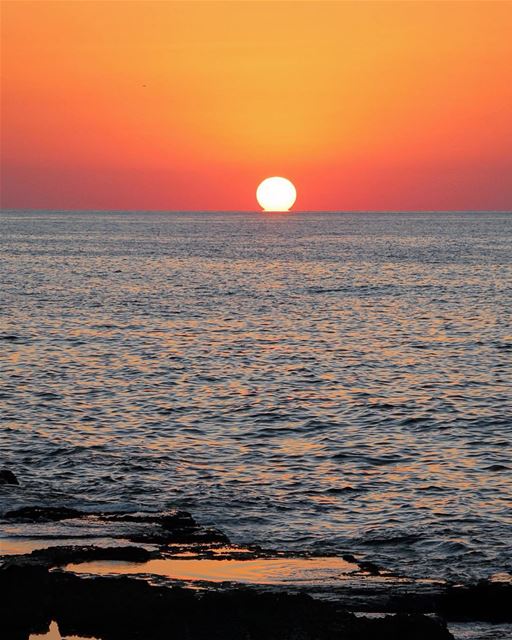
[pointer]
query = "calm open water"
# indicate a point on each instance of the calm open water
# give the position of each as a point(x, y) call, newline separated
point(320, 381)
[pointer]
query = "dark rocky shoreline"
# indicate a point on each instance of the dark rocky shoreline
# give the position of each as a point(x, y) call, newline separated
point(37, 588)
point(125, 608)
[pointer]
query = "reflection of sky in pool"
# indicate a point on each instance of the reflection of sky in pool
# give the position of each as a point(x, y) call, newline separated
point(260, 571)
point(54, 634)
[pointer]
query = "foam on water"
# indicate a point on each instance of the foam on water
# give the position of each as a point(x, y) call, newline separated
point(315, 381)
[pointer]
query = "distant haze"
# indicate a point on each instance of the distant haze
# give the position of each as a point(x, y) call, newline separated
point(189, 105)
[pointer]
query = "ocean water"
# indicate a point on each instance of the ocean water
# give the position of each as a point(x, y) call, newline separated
point(321, 381)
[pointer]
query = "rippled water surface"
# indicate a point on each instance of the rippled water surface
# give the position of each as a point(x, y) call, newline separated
point(315, 381)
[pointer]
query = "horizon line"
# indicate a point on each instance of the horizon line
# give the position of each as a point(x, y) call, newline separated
point(259, 211)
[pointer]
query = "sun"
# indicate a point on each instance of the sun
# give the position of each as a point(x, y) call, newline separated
point(276, 194)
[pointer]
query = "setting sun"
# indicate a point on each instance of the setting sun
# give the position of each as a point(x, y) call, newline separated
point(276, 194)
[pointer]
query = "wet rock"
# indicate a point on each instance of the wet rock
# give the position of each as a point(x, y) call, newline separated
point(25, 604)
point(177, 520)
point(128, 609)
point(8, 477)
point(169, 520)
point(170, 527)
point(405, 627)
point(369, 567)
point(199, 536)
point(348, 557)
point(43, 514)
point(175, 529)
point(485, 601)
point(58, 556)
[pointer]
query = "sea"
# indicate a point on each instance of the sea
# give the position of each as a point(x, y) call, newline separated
point(317, 381)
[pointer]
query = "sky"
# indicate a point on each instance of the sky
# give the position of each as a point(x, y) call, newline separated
point(188, 105)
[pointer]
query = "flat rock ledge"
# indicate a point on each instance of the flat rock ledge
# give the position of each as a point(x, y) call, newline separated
point(169, 527)
point(35, 589)
point(130, 609)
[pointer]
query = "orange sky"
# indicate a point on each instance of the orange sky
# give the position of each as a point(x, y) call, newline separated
point(189, 104)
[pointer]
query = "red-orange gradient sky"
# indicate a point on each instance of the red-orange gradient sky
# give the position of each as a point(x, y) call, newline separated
point(188, 105)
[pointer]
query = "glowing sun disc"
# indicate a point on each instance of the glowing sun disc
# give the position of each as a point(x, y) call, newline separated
point(276, 194)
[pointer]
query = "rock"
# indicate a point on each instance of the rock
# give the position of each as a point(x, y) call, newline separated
point(130, 609)
point(369, 567)
point(8, 477)
point(199, 537)
point(43, 514)
point(25, 604)
point(485, 601)
point(177, 520)
point(169, 520)
point(58, 556)
point(406, 627)
point(348, 557)
point(171, 527)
